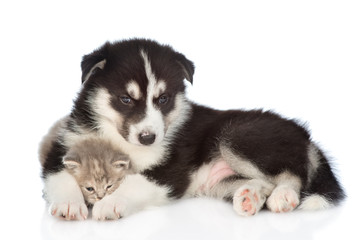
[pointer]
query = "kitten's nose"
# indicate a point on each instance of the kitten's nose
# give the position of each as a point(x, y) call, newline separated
point(100, 195)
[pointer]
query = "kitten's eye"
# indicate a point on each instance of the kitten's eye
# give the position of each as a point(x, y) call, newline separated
point(90, 189)
point(108, 187)
point(125, 100)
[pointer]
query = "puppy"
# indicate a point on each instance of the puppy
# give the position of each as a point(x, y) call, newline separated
point(133, 94)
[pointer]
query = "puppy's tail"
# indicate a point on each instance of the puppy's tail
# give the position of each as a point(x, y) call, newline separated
point(324, 190)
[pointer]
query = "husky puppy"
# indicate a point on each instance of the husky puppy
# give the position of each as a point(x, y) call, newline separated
point(133, 94)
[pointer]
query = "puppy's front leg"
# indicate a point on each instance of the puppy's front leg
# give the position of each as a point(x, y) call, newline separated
point(134, 194)
point(65, 197)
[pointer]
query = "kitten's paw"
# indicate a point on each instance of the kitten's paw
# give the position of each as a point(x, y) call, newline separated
point(69, 211)
point(282, 199)
point(248, 201)
point(108, 208)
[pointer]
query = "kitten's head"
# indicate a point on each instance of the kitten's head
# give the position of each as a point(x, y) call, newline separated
point(97, 167)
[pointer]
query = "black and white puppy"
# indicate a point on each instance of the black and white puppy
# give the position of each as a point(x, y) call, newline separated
point(133, 94)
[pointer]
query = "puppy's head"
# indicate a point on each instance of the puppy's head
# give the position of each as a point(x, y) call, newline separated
point(136, 86)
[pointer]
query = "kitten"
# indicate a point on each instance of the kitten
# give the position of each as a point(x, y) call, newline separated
point(97, 167)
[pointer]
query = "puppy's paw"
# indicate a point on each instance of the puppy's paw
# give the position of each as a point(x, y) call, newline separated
point(108, 208)
point(282, 199)
point(69, 210)
point(247, 200)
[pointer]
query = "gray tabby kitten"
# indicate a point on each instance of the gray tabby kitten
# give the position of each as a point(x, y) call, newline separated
point(91, 164)
point(97, 167)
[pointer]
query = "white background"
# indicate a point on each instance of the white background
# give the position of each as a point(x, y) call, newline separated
point(300, 59)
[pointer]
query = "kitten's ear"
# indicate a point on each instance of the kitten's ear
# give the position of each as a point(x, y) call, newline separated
point(121, 161)
point(71, 161)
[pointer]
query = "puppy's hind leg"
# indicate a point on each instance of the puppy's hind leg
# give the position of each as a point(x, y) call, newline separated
point(285, 196)
point(250, 193)
point(250, 197)
point(247, 196)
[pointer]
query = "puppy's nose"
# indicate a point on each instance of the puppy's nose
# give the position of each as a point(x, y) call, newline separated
point(147, 138)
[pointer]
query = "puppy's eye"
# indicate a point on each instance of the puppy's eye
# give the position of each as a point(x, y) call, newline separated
point(125, 99)
point(90, 189)
point(163, 99)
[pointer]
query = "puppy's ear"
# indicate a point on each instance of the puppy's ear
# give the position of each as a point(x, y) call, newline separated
point(188, 67)
point(93, 62)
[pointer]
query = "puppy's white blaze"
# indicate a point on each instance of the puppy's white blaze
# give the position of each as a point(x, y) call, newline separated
point(314, 202)
point(149, 73)
point(153, 121)
point(133, 90)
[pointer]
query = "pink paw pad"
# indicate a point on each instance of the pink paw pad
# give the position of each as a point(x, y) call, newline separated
point(246, 203)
